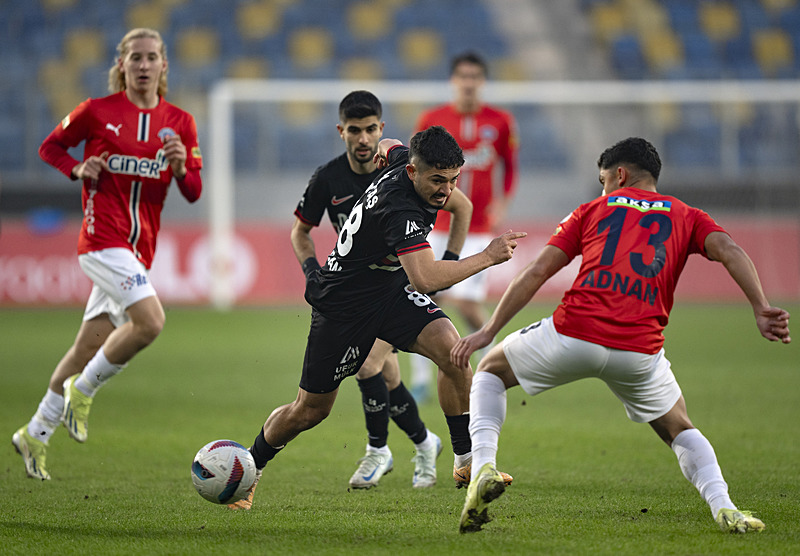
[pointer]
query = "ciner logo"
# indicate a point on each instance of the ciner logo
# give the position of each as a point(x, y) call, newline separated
point(133, 166)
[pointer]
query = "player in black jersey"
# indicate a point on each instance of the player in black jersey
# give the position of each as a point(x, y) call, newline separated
point(335, 187)
point(373, 285)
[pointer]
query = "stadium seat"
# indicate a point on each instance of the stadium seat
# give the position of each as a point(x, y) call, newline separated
point(361, 68)
point(627, 57)
point(369, 20)
point(608, 21)
point(151, 14)
point(248, 68)
point(85, 47)
point(720, 21)
point(197, 46)
point(310, 49)
point(702, 59)
point(421, 51)
point(683, 16)
point(773, 51)
point(57, 5)
point(662, 50)
point(258, 20)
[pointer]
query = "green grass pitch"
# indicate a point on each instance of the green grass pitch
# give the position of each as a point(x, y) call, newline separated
point(587, 480)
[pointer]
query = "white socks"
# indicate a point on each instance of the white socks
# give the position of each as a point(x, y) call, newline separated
point(487, 407)
point(426, 444)
point(47, 418)
point(699, 465)
point(96, 373)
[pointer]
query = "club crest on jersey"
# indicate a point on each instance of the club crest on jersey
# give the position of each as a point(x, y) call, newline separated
point(638, 204)
point(134, 166)
point(165, 133)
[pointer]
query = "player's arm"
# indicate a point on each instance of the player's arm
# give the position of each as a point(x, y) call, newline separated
point(519, 292)
point(303, 245)
point(460, 208)
point(426, 274)
point(772, 322)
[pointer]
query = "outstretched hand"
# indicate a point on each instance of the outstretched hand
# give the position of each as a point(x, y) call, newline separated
point(773, 323)
point(501, 248)
point(466, 346)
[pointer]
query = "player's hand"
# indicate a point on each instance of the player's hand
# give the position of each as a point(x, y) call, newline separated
point(773, 323)
point(383, 149)
point(502, 247)
point(91, 168)
point(466, 346)
point(175, 153)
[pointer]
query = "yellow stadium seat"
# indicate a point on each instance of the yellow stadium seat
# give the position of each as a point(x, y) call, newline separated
point(197, 46)
point(719, 20)
point(420, 49)
point(61, 85)
point(56, 5)
point(645, 16)
point(302, 114)
point(777, 6)
point(86, 47)
point(662, 50)
point(608, 21)
point(147, 14)
point(248, 68)
point(310, 47)
point(369, 20)
point(772, 49)
point(258, 20)
point(508, 69)
point(361, 68)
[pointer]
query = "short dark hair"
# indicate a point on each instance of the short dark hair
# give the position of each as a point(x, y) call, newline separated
point(633, 150)
point(436, 148)
point(359, 104)
point(469, 57)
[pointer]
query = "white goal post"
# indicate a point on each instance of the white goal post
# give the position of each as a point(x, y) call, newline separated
point(224, 95)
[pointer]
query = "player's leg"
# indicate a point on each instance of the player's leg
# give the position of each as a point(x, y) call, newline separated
point(377, 460)
point(35, 437)
point(405, 413)
point(453, 383)
point(145, 319)
point(283, 425)
point(699, 465)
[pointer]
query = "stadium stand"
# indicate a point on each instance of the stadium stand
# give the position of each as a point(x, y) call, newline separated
point(57, 53)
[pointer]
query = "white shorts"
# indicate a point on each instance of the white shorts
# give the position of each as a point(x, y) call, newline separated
point(475, 287)
point(541, 359)
point(119, 279)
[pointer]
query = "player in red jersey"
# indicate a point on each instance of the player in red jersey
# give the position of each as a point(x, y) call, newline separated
point(135, 143)
point(488, 137)
point(634, 243)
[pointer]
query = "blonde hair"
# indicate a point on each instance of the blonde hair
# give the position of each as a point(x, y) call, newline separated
point(116, 79)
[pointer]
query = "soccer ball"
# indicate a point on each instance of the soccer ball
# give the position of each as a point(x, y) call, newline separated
point(223, 471)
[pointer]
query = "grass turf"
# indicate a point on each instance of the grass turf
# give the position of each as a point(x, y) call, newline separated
point(587, 480)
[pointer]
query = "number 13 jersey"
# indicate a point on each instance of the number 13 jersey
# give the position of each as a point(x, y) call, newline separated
point(634, 244)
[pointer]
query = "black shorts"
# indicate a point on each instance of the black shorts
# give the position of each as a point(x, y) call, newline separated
point(337, 348)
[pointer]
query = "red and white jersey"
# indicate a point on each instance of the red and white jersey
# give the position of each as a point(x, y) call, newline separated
point(634, 245)
point(123, 208)
point(489, 140)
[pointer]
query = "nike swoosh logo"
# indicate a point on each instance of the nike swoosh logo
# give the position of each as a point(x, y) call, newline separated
point(336, 201)
point(368, 477)
point(431, 311)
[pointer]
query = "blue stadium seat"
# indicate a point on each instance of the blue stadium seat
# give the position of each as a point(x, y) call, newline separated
point(627, 58)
